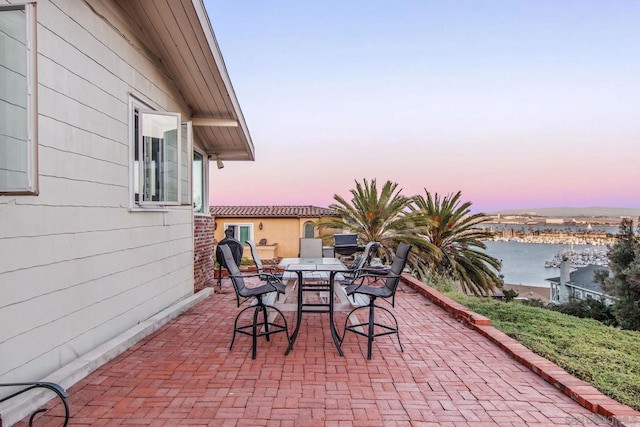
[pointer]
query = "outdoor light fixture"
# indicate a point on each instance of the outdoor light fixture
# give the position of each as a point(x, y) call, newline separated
point(219, 162)
point(260, 226)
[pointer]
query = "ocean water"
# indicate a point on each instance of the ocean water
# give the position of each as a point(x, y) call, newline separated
point(523, 263)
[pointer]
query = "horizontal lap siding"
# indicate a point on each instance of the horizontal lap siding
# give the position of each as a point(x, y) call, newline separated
point(77, 267)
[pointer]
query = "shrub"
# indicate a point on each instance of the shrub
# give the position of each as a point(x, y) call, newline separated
point(588, 308)
point(510, 294)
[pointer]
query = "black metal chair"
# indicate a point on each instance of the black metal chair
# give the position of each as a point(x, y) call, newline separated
point(359, 264)
point(265, 272)
point(236, 249)
point(364, 285)
point(257, 295)
point(24, 387)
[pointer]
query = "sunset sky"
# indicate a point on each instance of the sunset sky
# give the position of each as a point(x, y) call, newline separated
point(518, 104)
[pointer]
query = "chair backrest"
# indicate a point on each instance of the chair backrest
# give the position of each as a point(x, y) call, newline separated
point(399, 261)
point(254, 255)
point(366, 254)
point(310, 248)
point(236, 251)
point(234, 272)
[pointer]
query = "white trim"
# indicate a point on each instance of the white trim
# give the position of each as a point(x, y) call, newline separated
point(189, 152)
point(32, 105)
point(225, 225)
point(202, 121)
point(205, 182)
point(136, 103)
point(141, 200)
point(31, 60)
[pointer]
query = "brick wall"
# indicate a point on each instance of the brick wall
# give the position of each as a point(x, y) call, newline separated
point(204, 255)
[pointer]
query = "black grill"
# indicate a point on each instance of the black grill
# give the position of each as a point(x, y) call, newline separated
point(346, 244)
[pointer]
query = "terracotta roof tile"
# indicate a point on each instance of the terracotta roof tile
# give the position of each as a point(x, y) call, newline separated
point(272, 211)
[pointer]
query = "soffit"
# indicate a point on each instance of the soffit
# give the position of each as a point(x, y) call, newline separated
point(180, 34)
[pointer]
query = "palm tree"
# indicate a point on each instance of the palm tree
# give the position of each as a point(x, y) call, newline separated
point(383, 217)
point(449, 226)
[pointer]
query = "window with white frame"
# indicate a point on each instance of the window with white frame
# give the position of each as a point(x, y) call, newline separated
point(241, 232)
point(18, 127)
point(161, 160)
point(199, 180)
point(186, 164)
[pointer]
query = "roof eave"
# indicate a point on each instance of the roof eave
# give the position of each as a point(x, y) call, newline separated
point(214, 48)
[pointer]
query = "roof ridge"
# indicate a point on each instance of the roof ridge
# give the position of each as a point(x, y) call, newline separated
point(282, 211)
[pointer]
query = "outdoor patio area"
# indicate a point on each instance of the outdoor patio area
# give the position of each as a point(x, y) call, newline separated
point(448, 374)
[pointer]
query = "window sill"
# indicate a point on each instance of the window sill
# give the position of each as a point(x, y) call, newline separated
point(149, 209)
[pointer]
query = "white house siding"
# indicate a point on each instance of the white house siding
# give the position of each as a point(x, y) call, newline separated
point(77, 267)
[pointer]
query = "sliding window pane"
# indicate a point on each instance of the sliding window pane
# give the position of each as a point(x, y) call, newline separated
point(198, 182)
point(14, 101)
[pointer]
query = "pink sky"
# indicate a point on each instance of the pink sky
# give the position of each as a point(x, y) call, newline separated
point(516, 105)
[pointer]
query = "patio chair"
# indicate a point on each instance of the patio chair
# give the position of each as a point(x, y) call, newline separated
point(359, 264)
point(365, 285)
point(261, 297)
point(265, 272)
point(310, 248)
point(236, 249)
point(27, 386)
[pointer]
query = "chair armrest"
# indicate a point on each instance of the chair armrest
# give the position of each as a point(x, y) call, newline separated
point(244, 276)
point(271, 279)
point(375, 277)
point(380, 271)
point(56, 388)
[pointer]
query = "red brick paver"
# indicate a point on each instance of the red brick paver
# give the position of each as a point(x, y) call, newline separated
point(448, 375)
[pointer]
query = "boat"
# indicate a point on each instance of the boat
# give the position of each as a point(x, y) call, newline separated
point(579, 259)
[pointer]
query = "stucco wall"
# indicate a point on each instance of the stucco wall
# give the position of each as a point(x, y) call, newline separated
point(286, 232)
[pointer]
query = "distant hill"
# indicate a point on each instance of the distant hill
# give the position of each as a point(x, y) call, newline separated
point(575, 212)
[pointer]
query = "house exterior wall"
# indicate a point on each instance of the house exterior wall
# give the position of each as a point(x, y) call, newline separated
point(286, 232)
point(77, 266)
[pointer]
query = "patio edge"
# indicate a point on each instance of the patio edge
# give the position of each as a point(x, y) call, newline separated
point(580, 391)
point(19, 407)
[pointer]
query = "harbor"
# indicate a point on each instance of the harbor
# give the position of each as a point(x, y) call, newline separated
point(524, 263)
point(531, 253)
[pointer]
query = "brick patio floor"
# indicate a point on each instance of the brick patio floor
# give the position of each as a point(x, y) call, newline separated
point(448, 375)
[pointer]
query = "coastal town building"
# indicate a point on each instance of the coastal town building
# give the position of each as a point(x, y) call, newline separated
point(579, 284)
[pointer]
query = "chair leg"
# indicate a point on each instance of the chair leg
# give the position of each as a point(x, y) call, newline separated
point(254, 335)
point(257, 310)
point(392, 330)
point(284, 319)
point(371, 324)
point(371, 331)
point(235, 325)
point(266, 322)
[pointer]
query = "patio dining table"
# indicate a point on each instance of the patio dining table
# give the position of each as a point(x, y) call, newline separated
point(314, 274)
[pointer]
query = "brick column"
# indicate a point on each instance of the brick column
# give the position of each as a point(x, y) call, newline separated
point(204, 255)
